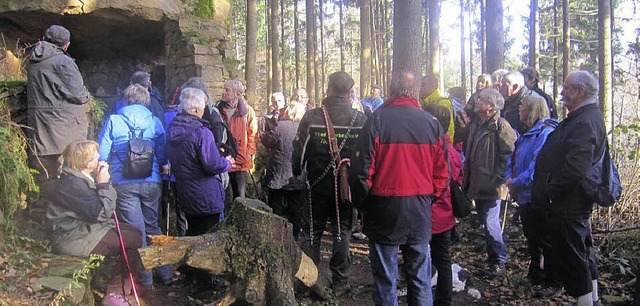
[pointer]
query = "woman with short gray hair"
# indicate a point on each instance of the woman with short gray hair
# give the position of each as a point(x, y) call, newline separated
point(196, 164)
point(534, 114)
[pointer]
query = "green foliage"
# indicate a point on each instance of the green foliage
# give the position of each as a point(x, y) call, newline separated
point(16, 179)
point(81, 276)
point(204, 9)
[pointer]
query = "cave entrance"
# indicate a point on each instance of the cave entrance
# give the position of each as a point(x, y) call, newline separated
point(107, 45)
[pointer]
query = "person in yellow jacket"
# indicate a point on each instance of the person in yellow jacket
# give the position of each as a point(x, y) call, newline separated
point(429, 93)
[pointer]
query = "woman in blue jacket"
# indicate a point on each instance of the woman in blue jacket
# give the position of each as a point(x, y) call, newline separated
point(196, 164)
point(138, 199)
point(534, 114)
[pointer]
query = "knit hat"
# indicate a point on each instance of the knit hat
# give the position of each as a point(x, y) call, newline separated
point(57, 35)
point(378, 87)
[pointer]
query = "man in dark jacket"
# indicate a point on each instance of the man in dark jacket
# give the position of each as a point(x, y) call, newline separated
point(398, 169)
point(562, 165)
point(531, 78)
point(55, 94)
point(489, 145)
point(513, 91)
point(311, 152)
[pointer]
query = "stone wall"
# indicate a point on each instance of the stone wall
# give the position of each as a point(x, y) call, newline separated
point(177, 38)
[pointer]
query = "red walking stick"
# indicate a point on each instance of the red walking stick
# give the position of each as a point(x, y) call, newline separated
point(126, 259)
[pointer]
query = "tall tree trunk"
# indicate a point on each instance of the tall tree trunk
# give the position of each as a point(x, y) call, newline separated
point(434, 39)
point(342, 41)
point(268, 49)
point(495, 36)
point(316, 66)
point(311, 53)
point(555, 51)
point(365, 46)
point(605, 96)
point(463, 57)
point(426, 48)
point(374, 43)
point(322, 55)
point(387, 41)
point(406, 36)
point(250, 72)
point(566, 44)
point(471, 79)
point(275, 43)
point(533, 34)
point(483, 36)
point(296, 41)
point(283, 50)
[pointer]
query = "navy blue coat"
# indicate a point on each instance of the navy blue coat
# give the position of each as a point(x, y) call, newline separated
point(196, 163)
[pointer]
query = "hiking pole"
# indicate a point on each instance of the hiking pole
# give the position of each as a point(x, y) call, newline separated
point(126, 259)
point(168, 199)
point(504, 215)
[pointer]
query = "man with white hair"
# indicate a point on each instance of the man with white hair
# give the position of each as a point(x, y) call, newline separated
point(241, 119)
point(513, 90)
point(561, 167)
point(485, 166)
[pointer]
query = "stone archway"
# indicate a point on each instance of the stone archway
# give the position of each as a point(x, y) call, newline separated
point(109, 37)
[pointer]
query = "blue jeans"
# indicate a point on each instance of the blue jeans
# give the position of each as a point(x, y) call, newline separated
point(138, 205)
point(384, 266)
point(489, 214)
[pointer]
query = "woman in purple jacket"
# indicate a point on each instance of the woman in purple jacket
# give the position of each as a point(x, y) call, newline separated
point(196, 164)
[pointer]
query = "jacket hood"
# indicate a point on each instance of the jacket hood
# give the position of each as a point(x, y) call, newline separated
point(334, 101)
point(402, 101)
point(70, 171)
point(44, 50)
point(136, 115)
point(183, 126)
point(241, 108)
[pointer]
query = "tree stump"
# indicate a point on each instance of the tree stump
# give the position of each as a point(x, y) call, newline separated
point(253, 248)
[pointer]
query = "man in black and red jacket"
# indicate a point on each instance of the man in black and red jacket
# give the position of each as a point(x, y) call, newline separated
point(398, 169)
point(311, 153)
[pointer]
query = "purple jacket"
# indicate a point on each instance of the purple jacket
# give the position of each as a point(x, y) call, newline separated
point(196, 163)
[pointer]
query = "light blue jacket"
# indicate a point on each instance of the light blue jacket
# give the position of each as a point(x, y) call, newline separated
point(114, 140)
point(523, 160)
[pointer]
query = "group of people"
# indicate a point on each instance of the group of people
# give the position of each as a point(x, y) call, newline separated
point(402, 152)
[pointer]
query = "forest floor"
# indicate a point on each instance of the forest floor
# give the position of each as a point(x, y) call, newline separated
point(23, 257)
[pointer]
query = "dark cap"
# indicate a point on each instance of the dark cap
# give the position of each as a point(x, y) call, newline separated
point(378, 87)
point(57, 35)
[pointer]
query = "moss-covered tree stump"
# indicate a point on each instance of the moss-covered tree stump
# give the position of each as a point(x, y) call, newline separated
point(253, 248)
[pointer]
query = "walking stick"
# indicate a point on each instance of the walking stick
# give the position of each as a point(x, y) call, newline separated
point(507, 201)
point(168, 199)
point(126, 259)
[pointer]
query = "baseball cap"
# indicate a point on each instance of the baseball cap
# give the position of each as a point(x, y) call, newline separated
point(57, 35)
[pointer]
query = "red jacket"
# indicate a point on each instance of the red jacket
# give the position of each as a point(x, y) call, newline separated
point(244, 127)
point(397, 169)
point(442, 218)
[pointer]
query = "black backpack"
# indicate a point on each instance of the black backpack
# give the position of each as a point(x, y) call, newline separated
point(138, 162)
point(602, 183)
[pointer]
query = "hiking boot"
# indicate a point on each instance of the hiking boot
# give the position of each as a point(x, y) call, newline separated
point(548, 292)
point(113, 299)
point(496, 270)
point(360, 236)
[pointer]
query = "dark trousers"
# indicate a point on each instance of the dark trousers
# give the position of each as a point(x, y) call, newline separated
point(323, 208)
point(535, 229)
point(109, 246)
point(288, 204)
point(170, 198)
point(572, 244)
point(441, 259)
point(48, 167)
point(238, 182)
point(199, 225)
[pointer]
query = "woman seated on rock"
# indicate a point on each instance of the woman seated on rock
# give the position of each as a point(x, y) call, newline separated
point(196, 164)
point(81, 216)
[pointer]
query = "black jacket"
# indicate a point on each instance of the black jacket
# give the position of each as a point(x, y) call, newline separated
point(564, 160)
point(311, 149)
